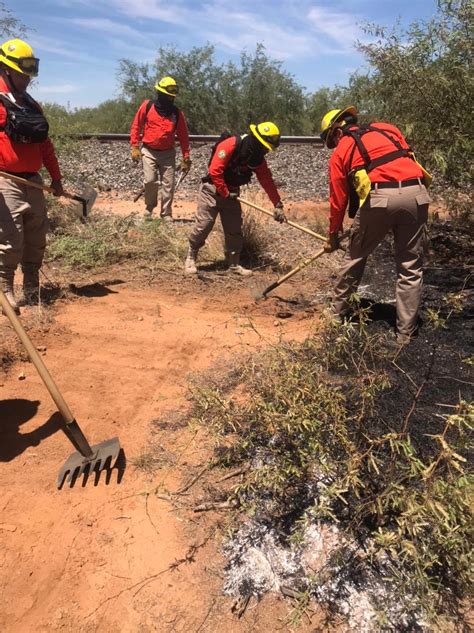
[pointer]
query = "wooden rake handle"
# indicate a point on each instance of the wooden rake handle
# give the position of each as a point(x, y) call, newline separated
point(290, 222)
point(36, 359)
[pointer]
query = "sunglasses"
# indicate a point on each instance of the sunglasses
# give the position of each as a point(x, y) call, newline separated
point(29, 65)
point(274, 140)
point(173, 90)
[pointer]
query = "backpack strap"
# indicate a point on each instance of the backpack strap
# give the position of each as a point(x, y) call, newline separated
point(369, 164)
point(148, 107)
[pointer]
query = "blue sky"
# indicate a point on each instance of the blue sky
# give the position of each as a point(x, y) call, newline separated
point(80, 42)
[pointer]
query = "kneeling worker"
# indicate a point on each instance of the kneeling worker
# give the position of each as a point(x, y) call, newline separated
point(233, 161)
point(373, 168)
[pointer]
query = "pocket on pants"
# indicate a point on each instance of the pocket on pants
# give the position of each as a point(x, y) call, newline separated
point(378, 201)
point(422, 199)
point(422, 202)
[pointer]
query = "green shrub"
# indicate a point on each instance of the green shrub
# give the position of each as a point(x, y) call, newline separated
point(105, 240)
point(334, 433)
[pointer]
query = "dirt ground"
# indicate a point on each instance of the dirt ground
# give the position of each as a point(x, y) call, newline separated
point(115, 556)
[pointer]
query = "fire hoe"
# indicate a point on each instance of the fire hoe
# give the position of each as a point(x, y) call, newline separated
point(87, 458)
point(86, 201)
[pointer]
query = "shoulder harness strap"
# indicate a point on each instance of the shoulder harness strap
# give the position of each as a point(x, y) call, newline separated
point(369, 164)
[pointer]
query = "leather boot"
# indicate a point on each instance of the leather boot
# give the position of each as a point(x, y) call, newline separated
point(7, 286)
point(235, 267)
point(30, 285)
point(190, 267)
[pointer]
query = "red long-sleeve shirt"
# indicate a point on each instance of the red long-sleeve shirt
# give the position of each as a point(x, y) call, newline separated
point(220, 161)
point(157, 131)
point(25, 157)
point(340, 164)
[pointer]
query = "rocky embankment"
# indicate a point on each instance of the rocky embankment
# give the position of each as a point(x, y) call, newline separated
point(300, 171)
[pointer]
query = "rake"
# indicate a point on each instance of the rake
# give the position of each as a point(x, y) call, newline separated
point(86, 200)
point(258, 293)
point(289, 222)
point(87, 458)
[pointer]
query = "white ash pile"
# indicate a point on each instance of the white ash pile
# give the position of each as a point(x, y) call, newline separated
point(299, 170)
point(320, 564)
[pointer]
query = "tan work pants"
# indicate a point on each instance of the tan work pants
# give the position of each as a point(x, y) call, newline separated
point(404, 211)
point(158, 172)
point(210, 205)
point(23, 227)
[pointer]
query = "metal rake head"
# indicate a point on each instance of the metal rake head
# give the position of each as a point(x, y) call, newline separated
point(104, 457)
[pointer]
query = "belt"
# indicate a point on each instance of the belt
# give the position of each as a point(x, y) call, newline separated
point(395, 184)
point(26, 175)
point(154, 149)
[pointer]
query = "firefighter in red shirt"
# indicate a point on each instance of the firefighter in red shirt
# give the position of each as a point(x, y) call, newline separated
point(24, 149)
point(233, 161)
point(374, 170)
point(155, 126)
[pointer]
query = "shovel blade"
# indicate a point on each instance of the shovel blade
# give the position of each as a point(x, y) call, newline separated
point(104, 456)
point(257, 292)
point(88, 194)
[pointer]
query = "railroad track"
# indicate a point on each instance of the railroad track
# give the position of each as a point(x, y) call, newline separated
point(196, 138)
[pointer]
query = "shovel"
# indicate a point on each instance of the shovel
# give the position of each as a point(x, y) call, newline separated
point(259, 294)
point(87, 199)
point(181, 177)
point(87, 458)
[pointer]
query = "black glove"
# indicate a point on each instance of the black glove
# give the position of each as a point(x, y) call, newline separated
point(333, 243)
point(278, 214)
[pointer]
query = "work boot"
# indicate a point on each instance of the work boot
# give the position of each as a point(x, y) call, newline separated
point(30, 286)
point(190, 267)
point(7, 287)
point(235, 267)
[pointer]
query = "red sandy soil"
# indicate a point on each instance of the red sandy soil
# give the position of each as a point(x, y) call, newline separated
point(117, 557)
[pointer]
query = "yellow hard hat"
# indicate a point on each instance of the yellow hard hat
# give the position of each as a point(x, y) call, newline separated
point(334, 119)
point(167, 86)
point(267, 133)
point(19, 55)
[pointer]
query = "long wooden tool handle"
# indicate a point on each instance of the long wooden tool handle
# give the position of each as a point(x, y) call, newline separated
point(292, 272)
point(25, 181)
point(36, 359)
point(37, 185)
point(290, 222)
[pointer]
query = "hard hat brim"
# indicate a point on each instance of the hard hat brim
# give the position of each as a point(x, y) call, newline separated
point(265, 143)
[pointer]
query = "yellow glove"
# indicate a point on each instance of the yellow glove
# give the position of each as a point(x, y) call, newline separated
point(185, 165)
point(136, 154)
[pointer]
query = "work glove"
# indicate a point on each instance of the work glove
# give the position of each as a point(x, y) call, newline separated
point(333, 243)
point(185, 165)
point(278, 213)
point(57, 187)
point(136, 154)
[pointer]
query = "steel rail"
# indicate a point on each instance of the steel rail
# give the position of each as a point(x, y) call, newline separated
point(194, 138)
